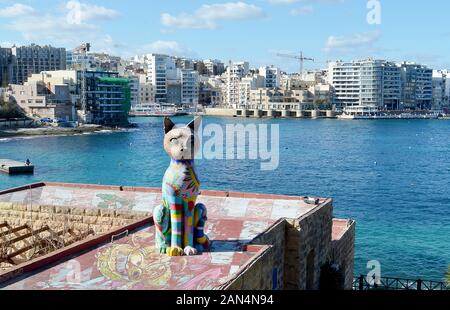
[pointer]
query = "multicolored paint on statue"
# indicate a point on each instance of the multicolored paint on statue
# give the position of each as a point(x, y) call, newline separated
point(179, 221)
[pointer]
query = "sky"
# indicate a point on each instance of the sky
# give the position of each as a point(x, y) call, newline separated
point(256, 31)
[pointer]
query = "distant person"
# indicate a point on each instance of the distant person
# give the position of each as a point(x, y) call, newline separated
point(28, 162)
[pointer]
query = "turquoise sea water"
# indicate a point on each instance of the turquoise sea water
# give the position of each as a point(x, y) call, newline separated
point(392, 176)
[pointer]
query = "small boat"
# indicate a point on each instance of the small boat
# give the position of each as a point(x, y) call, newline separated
point(373, 113)
point(156, 110)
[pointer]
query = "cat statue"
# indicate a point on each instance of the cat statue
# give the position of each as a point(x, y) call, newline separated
point(179, 220)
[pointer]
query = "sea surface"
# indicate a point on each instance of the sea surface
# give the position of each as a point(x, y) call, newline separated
point(391, 176)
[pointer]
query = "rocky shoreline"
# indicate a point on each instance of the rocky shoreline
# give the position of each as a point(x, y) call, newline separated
point(55, 131)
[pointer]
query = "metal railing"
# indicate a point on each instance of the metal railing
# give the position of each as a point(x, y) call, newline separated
point(360, 283)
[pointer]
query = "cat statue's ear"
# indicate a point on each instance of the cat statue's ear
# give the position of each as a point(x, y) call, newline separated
point(194, 124)
point(168, 125)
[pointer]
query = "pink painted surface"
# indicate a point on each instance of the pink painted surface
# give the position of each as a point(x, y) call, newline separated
point(132, 263)
point(339, 228)
point(107, 197)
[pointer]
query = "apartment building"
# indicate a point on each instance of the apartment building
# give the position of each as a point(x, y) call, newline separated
point(35, 59)
point(106, 98)
point(189, 87)
point(135, 90)
point(248, 84)
point(266, 99)
point(80, 60)
point(41, 99)
point(417, 82)
point(375, 83)
point(234, 73)
point(5, 66)
point(214, 67)
point(160, 68)
point(184, 63)
point(271, 75)
point(216, 88)
point(440, 89)
point(174, 91)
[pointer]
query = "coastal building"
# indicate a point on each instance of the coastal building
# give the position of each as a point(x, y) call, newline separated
point(234, 73)
point(344, 77)
point(217, 91)
point(39, 99)
point(67, 77)
point(146, 90)
point(440, 89)
point(76, 60)
point(392, 87)
point(200, 67)
point(248, 84)
point(105, 99)
point(295, 82)
point(189, 88)
point(314, 97)
point(240, 68)
point(108, 63)
point(160, 68)
point(184, 63)
point(135, 90)
point(417, 84)
point(35, 59)
point(173, 95)
point(62, 77)
point(214, 67)
point(271, 76)
point(266, 99)
point(5, 66)
point(373, 83)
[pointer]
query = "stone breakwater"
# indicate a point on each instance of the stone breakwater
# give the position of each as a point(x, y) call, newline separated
point(55, 131)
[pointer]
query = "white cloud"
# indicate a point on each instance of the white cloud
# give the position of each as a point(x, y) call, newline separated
point(90, 12)
point(284, 1)
point(16, 10)
point(7, 44)
point(172, 48)
point(72, 24)
point(287, 2)
point(49, 27)
point(360, 40)
point(209, 15)
point(302, 11)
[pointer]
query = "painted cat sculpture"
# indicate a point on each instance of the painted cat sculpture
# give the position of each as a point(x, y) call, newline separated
point(180, 221)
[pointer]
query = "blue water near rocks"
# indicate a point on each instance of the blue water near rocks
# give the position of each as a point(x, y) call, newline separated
point(392, 176)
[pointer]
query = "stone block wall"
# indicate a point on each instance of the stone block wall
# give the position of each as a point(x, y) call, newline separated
point(257, 276)
point(59, 218)
point(81, 221)
point(343, 253)
point(308, 243)
point(299, 249)
point(275, 237)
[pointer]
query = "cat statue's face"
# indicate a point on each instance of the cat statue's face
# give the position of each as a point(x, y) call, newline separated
point(179, 142)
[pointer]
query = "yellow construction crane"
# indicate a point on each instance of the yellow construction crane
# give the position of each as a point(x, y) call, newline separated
point(300, 58)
